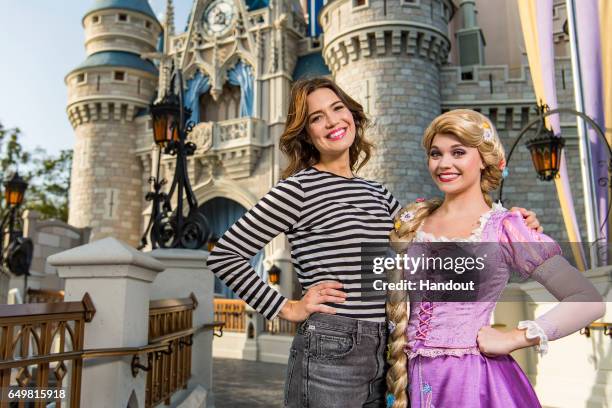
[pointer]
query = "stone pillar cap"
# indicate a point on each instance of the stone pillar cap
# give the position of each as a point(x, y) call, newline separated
point(107, 251)
point(179, 254)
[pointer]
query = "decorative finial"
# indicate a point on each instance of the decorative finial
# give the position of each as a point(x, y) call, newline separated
point(169, 20)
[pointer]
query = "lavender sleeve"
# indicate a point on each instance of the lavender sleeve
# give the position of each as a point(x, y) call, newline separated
point(539, 257)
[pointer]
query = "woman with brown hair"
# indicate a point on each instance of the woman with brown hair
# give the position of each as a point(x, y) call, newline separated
point(337, 358)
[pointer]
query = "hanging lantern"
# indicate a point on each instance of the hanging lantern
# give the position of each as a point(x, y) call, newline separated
point(14, 190)
point(274, 275)
point(546, 149)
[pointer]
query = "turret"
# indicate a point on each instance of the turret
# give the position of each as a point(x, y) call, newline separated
point(105, 93)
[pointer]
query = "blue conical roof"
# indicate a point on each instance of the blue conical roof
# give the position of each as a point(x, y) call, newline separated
point(117, 59)
point(141, 6)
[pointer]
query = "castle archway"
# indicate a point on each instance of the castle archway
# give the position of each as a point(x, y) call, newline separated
point(222, 213)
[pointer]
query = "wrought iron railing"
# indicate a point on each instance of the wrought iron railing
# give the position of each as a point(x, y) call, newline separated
point(232, 313)
point(171, 322)
point(42, 346)
point(44, 296)
point(280, 326)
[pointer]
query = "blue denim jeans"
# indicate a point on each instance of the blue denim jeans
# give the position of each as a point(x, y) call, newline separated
point(337, 362)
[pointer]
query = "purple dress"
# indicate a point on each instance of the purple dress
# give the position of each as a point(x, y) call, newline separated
point(446, 368)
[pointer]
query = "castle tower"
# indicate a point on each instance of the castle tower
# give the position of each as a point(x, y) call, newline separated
point(105, 93)
point(387, 54)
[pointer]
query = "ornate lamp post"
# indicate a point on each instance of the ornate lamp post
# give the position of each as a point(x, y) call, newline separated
point(16, 251)
point(168, 227)
point(546, 148)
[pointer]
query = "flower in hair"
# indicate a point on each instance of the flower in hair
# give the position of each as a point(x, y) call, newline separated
point(407, 216)
point(391, 325)
point(487, 132)
point(420, 200)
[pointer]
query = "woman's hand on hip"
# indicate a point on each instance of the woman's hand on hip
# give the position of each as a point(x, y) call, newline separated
point(313, 302)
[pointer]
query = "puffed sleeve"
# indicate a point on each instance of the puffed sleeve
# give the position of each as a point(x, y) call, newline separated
point(539, 257)
point(525, 249)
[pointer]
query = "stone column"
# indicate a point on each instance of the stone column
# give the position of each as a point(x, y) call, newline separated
point(186, 272)
point(118, 279)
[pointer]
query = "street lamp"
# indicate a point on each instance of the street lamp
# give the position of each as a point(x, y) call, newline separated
point(17, 251)
point(546, 148)
point(14, 190)
point(168, 227)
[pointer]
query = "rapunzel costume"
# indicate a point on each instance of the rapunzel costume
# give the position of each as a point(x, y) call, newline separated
point(446, 368)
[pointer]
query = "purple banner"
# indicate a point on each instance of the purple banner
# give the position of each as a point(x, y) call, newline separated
point(589, 55)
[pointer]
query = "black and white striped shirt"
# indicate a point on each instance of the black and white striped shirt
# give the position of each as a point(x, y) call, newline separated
point(326, 218)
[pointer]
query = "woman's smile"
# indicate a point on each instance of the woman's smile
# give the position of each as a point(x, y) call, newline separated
point(448, 177)
point(336, 134)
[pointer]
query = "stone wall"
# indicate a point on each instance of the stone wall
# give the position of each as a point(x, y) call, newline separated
point(509, 101)
point(49, 237)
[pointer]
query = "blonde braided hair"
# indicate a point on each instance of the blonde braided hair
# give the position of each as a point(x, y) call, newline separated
point(473, 130)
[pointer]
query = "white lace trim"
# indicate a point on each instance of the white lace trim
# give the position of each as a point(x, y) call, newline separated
point(438, 352)
point(475, 235)
point(533, 331)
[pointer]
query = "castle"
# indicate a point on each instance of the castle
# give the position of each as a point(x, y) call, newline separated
point(406, 61)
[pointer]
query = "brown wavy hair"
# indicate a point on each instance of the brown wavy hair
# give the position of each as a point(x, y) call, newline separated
point(295, 143)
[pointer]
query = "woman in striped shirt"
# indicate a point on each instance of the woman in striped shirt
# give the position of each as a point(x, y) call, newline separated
point(337, 358)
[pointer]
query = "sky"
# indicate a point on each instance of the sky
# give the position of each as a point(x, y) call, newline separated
point(40, 42)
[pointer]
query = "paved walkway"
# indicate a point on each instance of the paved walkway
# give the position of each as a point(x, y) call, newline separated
point(239, 383)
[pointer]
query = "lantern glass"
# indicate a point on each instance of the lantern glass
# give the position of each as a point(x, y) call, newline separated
point(211, 244)
point(14, 190)
point(545, 152)
point(274, 275)
point(166, 116)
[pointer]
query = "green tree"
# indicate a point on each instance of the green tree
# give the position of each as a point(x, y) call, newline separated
point(48, 175)
point(50, 184)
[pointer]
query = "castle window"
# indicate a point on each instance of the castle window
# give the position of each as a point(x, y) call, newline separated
point(119, 76)
point(147, 24)
point(360, 3)
point(81, 78)
point(95, 19)
point(226, 107)
point(467, 76)
point(122, 17)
